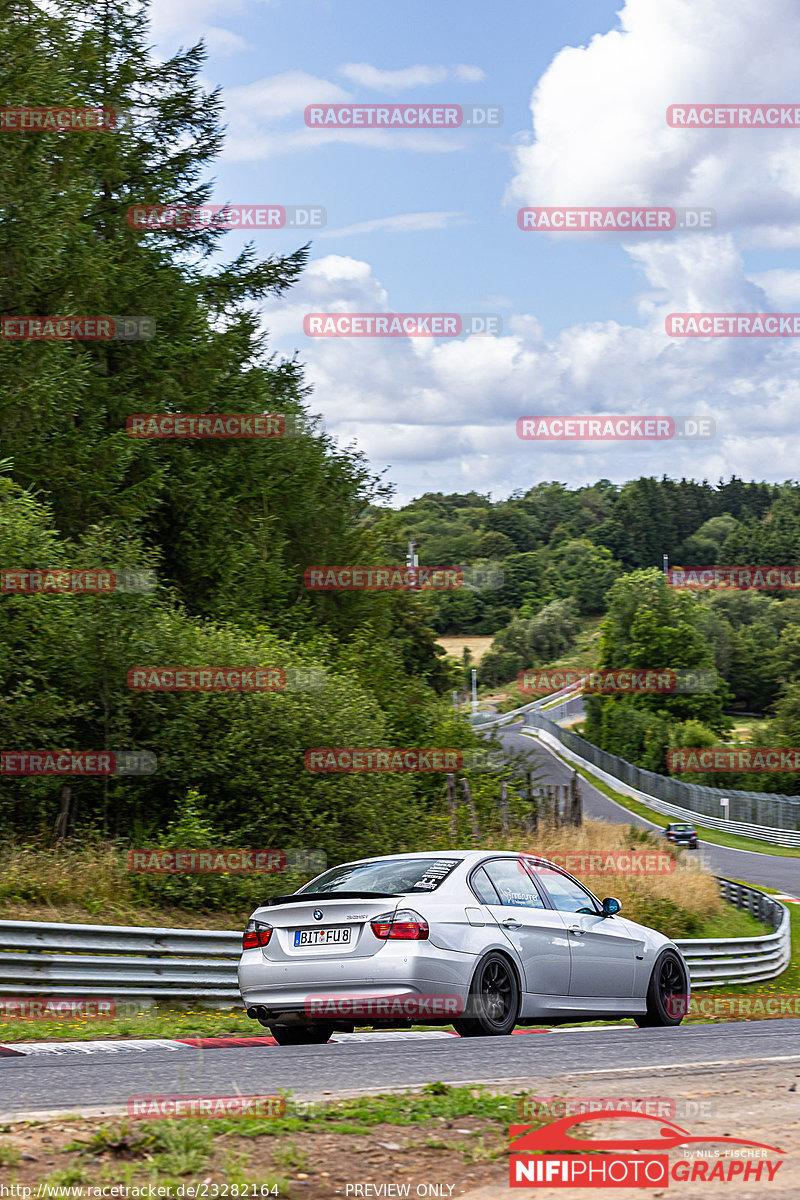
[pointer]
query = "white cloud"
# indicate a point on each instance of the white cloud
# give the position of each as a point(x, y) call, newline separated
point(402, 223)
point(257, 114)
point(186, 21)
point(599, 116)
point(781, 286)
point(365, 75)
point(443, 412)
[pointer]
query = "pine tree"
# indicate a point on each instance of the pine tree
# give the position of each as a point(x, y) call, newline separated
point(235, 522)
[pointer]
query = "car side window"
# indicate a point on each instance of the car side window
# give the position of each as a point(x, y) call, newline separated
point(483, 888)
point(513, 883)
point(567, 894)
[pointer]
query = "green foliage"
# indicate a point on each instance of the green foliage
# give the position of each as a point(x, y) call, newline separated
point(651, 625)
point(527, 643)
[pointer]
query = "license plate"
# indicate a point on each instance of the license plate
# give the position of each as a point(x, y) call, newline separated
point(321, 937)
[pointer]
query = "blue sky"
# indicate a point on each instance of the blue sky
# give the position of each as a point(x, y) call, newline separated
point(435, 218)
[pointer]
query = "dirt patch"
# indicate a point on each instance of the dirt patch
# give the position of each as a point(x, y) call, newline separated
point(463, 1154)
point(753, 1102)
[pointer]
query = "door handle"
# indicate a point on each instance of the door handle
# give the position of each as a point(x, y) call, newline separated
point(577, 929)
point(511, 923)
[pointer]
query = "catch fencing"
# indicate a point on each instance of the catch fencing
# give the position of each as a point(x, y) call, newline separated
point(763, 815)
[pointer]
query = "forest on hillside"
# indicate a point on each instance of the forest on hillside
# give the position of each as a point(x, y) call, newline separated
point(225, 527)
point(554, 556)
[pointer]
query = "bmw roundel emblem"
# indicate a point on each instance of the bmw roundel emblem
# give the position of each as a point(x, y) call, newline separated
point(318, 914)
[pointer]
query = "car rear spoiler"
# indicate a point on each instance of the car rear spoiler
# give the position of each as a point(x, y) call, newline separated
point(298, 896)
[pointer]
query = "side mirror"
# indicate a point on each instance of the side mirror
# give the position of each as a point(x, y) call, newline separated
point(611, 906)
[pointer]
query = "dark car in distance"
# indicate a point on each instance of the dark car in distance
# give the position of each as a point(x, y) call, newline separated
point(681, 834)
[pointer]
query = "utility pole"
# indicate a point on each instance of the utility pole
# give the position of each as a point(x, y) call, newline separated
point(666, 563)
point(412, 562)
point(474, 691)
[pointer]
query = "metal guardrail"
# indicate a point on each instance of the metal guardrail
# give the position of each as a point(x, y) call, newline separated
point(719, 961)
point(515, 713)
point(127, 962)
point(50, 959)
point(749, 813)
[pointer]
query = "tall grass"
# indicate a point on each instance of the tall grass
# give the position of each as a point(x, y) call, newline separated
point(91, 882)
point(679, 903)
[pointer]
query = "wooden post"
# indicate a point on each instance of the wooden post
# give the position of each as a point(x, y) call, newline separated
point(552, 803)
point(533, 802)
point(452, 805)
point(476, 833)
point(577, 800)
point(504, 806)
point(63, 817)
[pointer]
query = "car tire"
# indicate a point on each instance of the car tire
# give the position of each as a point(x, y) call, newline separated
point(668, 979)
point(301, 1035)
point(493, 1000)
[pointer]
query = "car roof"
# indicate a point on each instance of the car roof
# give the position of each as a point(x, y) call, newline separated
point(469, 856)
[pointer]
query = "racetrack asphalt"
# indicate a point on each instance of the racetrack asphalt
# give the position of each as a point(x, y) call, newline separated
point(770, 870)
point(49, 1083)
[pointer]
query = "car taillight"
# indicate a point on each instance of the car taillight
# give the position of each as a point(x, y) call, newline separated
point(256, 933)
point(405, 923)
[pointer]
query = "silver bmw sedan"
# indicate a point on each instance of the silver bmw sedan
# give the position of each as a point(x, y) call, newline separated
point(479, 939)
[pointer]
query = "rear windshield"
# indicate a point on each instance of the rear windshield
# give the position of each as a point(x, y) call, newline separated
point(396, 875)
point(683, 828)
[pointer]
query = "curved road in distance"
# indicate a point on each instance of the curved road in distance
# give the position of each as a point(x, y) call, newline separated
point(771, 870)
point(46, 1083)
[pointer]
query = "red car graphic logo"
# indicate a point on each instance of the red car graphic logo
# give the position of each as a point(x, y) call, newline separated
point(555, 1136)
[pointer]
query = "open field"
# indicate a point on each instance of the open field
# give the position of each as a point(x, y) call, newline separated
point(454, 646)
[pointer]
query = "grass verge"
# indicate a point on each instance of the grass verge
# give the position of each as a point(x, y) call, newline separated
point(439, 1132)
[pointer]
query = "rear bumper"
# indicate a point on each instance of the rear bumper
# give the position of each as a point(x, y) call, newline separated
point(434, 983)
